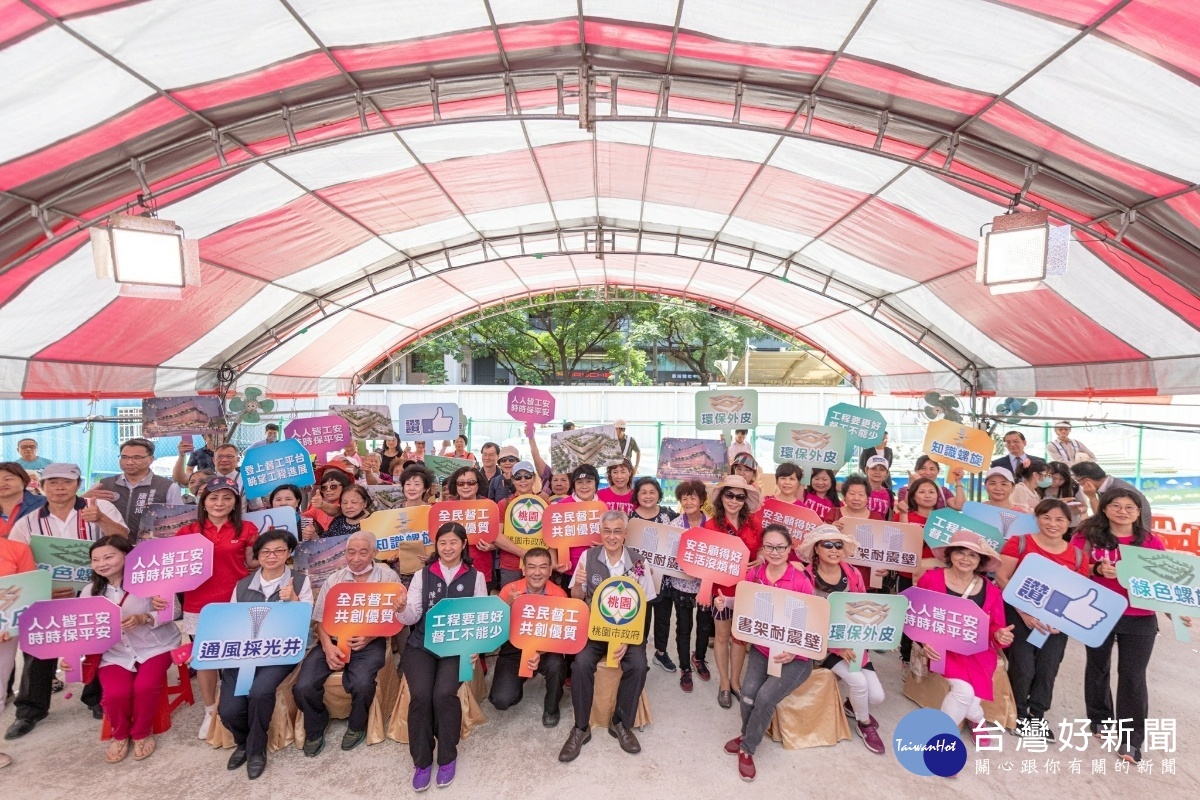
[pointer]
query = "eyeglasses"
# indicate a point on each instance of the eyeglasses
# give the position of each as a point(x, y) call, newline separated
point(273, 553)
point(522, 476)
point(829, 544)
point(466, 483)
point(738, 498)
point(775, 548)
point(133, 458)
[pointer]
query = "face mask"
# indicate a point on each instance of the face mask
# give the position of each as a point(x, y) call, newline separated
point(1044, 483)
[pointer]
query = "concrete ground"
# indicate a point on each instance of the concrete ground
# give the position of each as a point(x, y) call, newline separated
point(512, 756)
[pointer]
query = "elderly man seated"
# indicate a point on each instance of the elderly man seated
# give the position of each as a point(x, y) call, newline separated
point(367, 654)
point(610, 557)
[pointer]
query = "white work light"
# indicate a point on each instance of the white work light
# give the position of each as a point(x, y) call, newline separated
point(1019, 252)
point(148, 257)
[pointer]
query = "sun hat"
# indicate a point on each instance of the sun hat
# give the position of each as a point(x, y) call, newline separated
point(826, 533)
point(969, 540)
point(508, 451)
point(620, 423)
point(753, 495)
point(744, 460)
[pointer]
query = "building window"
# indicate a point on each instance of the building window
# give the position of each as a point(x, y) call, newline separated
point(129, 423)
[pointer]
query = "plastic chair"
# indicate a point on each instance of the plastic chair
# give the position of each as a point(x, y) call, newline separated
point(1162, 522)
point(1180, 542)
point(172, 697)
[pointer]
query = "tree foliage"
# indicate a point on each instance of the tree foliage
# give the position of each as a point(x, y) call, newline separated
point(692, 335)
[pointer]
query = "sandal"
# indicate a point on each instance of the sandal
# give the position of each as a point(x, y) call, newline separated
point(143, 748)
point(117, 750)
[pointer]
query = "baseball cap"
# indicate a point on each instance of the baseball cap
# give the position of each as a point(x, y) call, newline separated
point(222, 482)
point(878, 461)
point(1003, 472)
point(508, 451)
point(523, 466)
point(60, 470)
point(620, 424)
point(1062, 424)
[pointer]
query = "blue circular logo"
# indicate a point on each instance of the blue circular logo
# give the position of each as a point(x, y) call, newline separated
point(926, 742)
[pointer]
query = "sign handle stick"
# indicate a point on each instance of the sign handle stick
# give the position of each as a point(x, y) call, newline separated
point(774, 668)
point(564, 555)
point(612, 654)
point(72, 669)
point(1037, 638)
point(343, 647)
point(168, 613)
point(245, 679)
point(466, 668)
point(704, 597)
point(857, 664)
point(1182, 632)
point(525, 671)
point(938, 666)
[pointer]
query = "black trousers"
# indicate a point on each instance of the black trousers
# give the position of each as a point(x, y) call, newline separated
point(508, 687)
point(1134, 637)
point(583, 682)
point(706, 628)
point(684, 605)
point(358, 679)
point(434, 712)
point(1032, 670)
point(248, 717)
point(37, 687)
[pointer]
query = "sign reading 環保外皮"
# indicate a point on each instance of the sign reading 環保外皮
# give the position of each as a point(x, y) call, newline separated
point(859, 621)
point(810, 446)
point(726, 409)
point(270, 465)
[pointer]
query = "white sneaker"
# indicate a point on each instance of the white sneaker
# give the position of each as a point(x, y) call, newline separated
point(206, 724)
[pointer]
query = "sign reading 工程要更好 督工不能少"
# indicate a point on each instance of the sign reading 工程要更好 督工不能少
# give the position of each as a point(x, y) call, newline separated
point(523, 518)
point(245, 636)
point(270, 465)
point(859, 621)
point(361, 609)
point(1009, 523)
point(70, 628)
point(480, 518)
point(1161, 580)
point(540, 623)
point(782, 621)
point(1064, 600)
point(657, 544)
point(530, 405)
point(810, 446)
point(957, 445)
point(69, 561)
point(726, 409)
point(319, 435)
point(713, 557)
point(948, 623)
point(567, 525)
point(18, 592)
point(464, 626)
point(945, 522)
point(864, 427)
point(618, 614)
point(166, 567)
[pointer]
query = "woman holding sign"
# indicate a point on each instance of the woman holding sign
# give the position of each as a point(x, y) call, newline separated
point(762, 692)
point(510, 553)
point(734, 502)
point(434, 712)
point(1118, 524)
point(132, 673)
point(218, 519)
point(248, 716)
point(464, 484)
point(825, 548)
point(968, 558)
point(680, 593)
point(1032, 670)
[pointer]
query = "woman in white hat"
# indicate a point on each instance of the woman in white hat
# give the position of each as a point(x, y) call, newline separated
point(968, 558)
point(880, 497)
point(734, 502)
point(825, 549)
point(998, 482)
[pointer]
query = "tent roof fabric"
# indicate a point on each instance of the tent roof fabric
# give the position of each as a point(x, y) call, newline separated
point(362, 172)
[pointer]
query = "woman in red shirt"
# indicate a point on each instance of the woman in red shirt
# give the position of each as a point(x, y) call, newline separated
point(734, 502)
point(1032, 670)
point(218, 519)
point(821, 495)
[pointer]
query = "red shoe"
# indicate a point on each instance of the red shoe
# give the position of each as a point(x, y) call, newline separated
point(734, 746)
point(746, 766)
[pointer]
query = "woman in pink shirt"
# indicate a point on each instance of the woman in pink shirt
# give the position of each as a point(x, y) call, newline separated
point(1116, 525)
point(821, 495)
point(618, 495)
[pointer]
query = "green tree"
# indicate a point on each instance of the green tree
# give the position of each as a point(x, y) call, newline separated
point(691, 335)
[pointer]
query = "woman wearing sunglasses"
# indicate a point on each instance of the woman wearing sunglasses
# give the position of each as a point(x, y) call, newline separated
point(762, 692)
point(523, 482)
point(826, 548)
point(734, 502)
point(468, 483)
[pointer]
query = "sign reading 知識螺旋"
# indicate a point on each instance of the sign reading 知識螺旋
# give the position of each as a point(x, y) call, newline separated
point(270, 465)
point(401, 535)
point(810, 446)
point(957, 445)
point(540, 623)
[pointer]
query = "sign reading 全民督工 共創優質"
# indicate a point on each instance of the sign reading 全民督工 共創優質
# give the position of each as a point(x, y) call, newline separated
point(545, 624)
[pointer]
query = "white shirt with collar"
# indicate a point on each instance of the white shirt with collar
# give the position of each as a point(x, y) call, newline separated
point(143, 642)
point(34, 524)
point(268, 587)
point(380, 573)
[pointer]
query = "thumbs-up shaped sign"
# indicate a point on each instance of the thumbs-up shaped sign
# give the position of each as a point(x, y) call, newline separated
point(439, 424)
point(1080, 610)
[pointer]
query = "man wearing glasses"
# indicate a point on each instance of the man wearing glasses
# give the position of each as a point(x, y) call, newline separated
point(29, 459)
point(136, 488)
point(500, 485)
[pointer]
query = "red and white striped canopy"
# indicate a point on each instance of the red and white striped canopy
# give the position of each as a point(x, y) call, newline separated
point(362, 172)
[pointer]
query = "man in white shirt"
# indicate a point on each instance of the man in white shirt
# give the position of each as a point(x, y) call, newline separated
point(1064, 448)
point(740, 445)
point(610, 557)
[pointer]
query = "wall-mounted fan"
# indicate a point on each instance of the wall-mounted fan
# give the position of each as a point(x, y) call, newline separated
point(941, 406)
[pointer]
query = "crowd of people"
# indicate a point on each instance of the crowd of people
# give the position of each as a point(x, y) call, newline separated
point(1084, 517)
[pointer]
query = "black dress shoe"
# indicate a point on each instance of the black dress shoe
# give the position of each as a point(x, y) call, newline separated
point(97, 711)
point(236, 758)
point(19, 728)
point(352, 739)
point(628, 741)
point(313, 747)
point(550, 719)
point(575, 742)
point(256, 766)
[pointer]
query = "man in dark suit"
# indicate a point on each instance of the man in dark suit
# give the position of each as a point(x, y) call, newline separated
point(1014, 443)
point(1094, 481)
point(880, 449)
